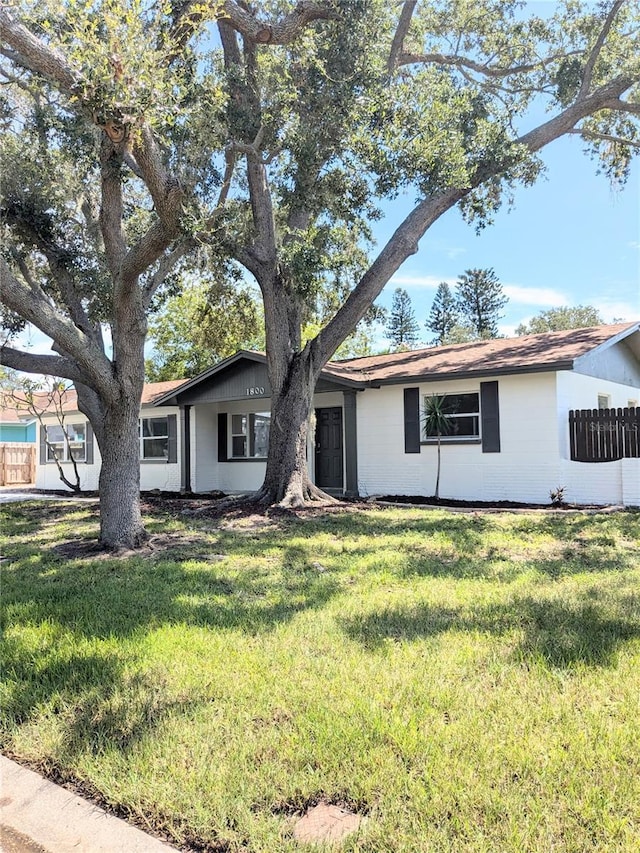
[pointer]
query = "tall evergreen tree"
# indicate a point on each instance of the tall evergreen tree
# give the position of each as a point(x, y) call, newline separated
point(402, 327)
point(480, 298)
point(443, 316)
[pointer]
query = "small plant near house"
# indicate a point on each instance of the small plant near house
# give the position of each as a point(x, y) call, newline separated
point(557, 496)
point(436, 423)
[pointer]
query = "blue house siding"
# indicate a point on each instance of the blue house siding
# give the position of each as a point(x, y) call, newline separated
point(18, 432)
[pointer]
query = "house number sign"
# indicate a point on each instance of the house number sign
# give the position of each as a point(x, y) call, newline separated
point(256, 391)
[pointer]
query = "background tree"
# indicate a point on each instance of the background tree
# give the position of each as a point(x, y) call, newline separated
point(325, 110)
point(201, 325)
point(402, 327)
point(479, 299)
point(559, 319)
point(443, 316)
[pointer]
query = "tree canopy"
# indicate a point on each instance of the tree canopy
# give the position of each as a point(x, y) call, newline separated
point(560, 319)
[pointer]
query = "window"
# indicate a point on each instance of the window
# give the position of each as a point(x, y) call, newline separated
point(604, 401)
point(154, 438)
point(250, 435)
point(463, 416)
point(73, 447)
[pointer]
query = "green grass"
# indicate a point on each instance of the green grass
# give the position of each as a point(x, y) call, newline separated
point(470, 682)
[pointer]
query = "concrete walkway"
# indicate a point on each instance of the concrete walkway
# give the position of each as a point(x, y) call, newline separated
point(37, 816)
point(10, 494)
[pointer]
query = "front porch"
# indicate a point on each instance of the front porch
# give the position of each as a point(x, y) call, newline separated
point(224, 423)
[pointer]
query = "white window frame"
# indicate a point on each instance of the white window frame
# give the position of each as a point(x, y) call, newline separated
point(247, 432)
point(147, 438)
point(64, 448)
point(602, 397)
point(474, 437)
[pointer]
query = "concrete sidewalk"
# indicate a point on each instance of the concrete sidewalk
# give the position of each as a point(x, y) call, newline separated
point(37, 816)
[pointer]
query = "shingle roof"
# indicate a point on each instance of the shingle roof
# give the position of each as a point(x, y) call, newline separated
point(151, 392)
point(550, 350)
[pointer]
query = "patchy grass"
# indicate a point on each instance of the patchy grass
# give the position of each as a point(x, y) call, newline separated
point(468, 681)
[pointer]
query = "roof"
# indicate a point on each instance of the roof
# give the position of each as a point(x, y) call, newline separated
point(548, 351)
point(151, 392)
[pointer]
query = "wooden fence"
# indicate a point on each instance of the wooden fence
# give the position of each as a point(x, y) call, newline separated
point(17, 464)
point(604, 435)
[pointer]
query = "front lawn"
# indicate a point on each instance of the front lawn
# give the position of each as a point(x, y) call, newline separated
point(469, 682)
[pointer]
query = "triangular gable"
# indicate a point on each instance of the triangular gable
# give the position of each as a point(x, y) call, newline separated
point(240, 377)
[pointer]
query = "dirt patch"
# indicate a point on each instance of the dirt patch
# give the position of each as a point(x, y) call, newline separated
point(81, 549)
point(326, 824)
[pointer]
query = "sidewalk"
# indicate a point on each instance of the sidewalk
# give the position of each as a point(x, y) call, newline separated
point(37, 816)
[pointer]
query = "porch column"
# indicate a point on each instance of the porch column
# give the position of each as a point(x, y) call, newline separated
point(185, 452)
point(350, 444)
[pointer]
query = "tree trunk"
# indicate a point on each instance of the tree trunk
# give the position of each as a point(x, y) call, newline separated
point(120, 520)
point(287, 482)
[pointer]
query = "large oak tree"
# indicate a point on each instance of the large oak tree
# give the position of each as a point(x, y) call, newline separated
point(320, 111)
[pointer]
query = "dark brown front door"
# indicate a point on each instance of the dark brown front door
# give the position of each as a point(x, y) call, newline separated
point(329, 448)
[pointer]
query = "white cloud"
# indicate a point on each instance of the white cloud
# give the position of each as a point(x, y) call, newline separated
point(429, 282)
point(611, 310)
point(455, 251)
point(634, 244)
point(544, 297)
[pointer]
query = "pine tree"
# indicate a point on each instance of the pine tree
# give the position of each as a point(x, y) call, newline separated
point(443, 316)
point(479, 297)
point(402, 327)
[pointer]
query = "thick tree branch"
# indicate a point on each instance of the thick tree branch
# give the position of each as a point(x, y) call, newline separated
point(112, 206)
point(281, 31)
point(587, 75)
point(52, 365)
point(622, 106)
point(164, 187)
point(34, 307)
point(31, 53)
point(404, 22)
point(404, 241)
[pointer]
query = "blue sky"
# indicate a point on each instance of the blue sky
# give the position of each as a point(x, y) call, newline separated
point(568, 240)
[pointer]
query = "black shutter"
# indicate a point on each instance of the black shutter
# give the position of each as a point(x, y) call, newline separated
point(172, 444)
point(222, 437)
point(490, 413)
point(43, 444)
point(411, 420)
point(88, 444)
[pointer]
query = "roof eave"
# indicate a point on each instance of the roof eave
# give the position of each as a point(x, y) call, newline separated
point(425, 376)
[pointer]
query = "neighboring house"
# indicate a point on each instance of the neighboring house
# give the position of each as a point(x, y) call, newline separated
point(16, 426)
point(509, 439)
point(159, 461)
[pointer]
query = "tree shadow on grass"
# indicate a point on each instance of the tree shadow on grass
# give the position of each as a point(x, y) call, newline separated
point(561, 633)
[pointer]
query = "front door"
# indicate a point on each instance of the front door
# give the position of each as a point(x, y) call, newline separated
point(329, 448)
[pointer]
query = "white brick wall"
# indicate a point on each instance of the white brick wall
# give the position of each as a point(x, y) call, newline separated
point(534, 446)
point(153, 475)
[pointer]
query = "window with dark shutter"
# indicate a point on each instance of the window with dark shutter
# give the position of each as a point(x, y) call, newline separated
point(411, 420)
point(490, 411)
